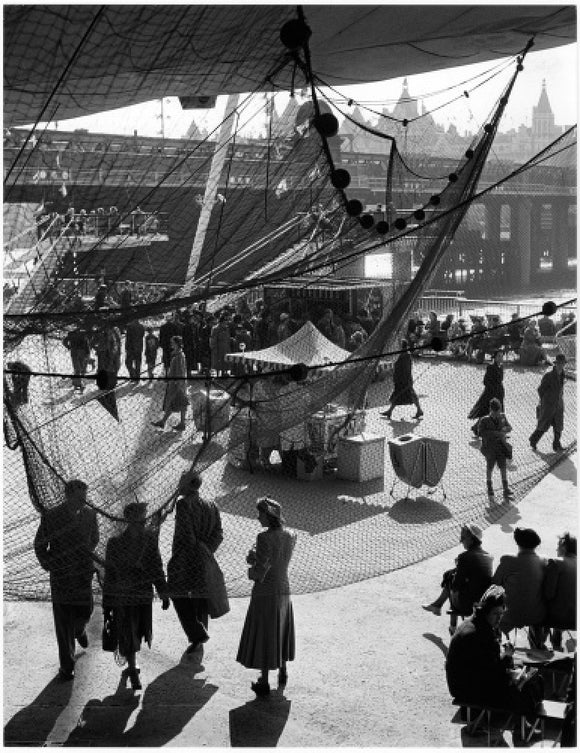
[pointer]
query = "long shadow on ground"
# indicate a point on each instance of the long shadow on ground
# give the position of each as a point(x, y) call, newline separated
point(32, 725)
point(259, 723)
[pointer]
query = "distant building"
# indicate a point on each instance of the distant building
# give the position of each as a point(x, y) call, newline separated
point(519, 145)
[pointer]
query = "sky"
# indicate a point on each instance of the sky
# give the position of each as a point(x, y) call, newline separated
point(558, 67)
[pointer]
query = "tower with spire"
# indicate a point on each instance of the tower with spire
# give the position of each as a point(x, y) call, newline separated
point(543, 130)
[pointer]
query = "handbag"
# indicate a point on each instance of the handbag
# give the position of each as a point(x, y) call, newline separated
point(109, 636)
point(507, 449)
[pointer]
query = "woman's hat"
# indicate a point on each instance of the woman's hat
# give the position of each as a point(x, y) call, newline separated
point(270, 507)
point(473, 530)
point(527, 538)
point(135, 511)
point(190, 480)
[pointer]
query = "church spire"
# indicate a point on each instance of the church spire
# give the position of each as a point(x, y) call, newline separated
point(544, 106)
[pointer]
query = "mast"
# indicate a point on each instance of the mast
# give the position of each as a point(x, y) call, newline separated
point(211, 188)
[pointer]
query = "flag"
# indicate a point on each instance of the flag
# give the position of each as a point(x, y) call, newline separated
point(109, 403)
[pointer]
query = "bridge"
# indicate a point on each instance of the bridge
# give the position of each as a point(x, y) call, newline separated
point(527, 226)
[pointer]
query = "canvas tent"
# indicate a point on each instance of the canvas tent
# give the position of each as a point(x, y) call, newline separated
point(307, 346)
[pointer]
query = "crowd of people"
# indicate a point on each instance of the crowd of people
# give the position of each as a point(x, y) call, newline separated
point(526, 591)
point(65, 544)
point(475, 337)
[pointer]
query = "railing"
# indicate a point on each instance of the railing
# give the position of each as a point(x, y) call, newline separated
point(448, 304)
point(104, 224)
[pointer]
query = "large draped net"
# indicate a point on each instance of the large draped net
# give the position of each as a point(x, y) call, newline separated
point(293, 228)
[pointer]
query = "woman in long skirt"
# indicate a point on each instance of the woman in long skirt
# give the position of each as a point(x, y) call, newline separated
point(132, 567)
point(492, 387)
point(176, 399)
point(403, 390)
point(267, 640)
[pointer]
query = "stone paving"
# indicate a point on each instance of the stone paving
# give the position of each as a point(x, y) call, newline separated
point(368, 670)
point(347, 531)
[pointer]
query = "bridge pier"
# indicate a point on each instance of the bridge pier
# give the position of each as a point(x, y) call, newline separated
point(560, 236)
point(523, 239)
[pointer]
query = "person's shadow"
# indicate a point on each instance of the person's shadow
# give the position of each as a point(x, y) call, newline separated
point(168, 704)
point(32, 725)
point(103, 721)
point(259, 723)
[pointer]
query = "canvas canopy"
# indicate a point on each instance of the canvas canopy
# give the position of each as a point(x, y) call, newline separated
point(63, 61)
point(307, 346)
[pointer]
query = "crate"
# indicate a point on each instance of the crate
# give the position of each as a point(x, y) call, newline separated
point(361, 457)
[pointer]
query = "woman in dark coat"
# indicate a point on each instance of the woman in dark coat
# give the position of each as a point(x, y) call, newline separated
point(176, 399)
point(492, 387)
point(475, 669)
point(132, 567)
point(403, 390)
point(267, 640)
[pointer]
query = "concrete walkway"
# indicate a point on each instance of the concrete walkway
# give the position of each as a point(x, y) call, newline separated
point(368, 672)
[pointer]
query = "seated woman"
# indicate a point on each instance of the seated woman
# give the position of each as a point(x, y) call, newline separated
point(455, 345)
point(466, 582)
point(560, 590)
point(476, 341)
point(476, 670)
point(522, 576)
point(531, 351)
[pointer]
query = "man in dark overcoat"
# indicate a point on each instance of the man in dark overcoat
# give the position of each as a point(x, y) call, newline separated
point(134, 348)
point(195, 582)
point(64, 545)
point(169, 329)
point(550, 411)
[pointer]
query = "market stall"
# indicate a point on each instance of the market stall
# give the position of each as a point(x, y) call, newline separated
point(313, 438)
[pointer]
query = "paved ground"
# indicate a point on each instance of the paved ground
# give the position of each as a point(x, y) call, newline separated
point(347, 531)
point(368, 671)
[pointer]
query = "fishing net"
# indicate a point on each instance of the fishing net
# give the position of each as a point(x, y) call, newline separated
point(293, 418)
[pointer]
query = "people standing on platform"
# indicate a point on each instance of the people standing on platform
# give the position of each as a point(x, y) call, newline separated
point(78, 343)
point(220, 342)
point(194, 578)
point(522, 576)
point(433, 327)
point(151, 348)
point(176, 400)
point(170, 328)
point(492, 387)
point(268, 641)
point(550, 411)
point(493, 429)
point(560, 590)
point(64, 544)
point(134, 348)
point(132, 567)
point(468, 580)
point(403, 390)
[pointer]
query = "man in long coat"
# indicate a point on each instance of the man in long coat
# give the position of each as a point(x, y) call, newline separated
point(550, 412)
point(169, 329)
point(195, 581)
point(64, 545)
